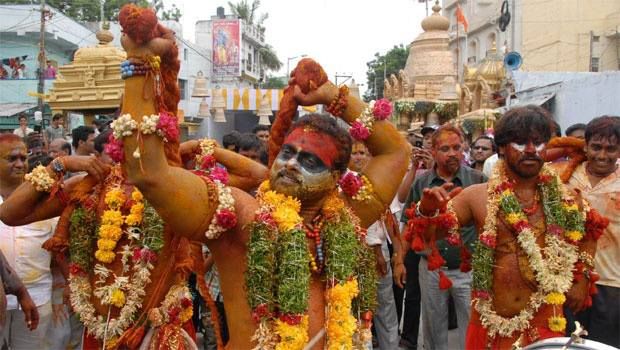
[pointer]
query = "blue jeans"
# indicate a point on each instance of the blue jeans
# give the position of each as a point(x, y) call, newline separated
point(435, 306)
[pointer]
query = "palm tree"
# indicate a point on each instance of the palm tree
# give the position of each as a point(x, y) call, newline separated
point(249, 13)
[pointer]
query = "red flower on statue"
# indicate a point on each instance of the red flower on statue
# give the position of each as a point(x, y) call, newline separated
point(506, 185)
point(208, 162)
point(556, 230)
point(521, 225)
point(488, 240)
point(481, 294)
point(219, 174)
point(168, 125)
point(226, 218)
point(350, 184)
point(266, 218)
point(290, 319)
point(186, 302)
point(260, 311)
point(75, 269)
point(382, 109)
point(359, 132)
point(114, 149)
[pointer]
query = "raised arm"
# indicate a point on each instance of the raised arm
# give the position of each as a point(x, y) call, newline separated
point(390, 154)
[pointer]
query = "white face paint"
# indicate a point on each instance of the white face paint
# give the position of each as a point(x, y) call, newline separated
point(521, 147)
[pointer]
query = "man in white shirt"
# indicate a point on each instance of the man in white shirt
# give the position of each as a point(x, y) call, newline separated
point(23, 129)
point(21, 246)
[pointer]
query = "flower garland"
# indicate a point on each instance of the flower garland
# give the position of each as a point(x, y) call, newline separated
point(339, 103)
point(225, 217)
point(356, 186)
point(278, 274)
point(361, 128)
point(176, 308)
point(40, 179)
point(552, 265)
point(145, 232)
point(162, 124)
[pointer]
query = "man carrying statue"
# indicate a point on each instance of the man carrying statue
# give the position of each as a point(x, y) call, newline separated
point(294, 269)
point(537, 243)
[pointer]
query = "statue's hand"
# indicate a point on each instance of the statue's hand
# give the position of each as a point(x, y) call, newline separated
point(437, 198)
point(90, 164)
point(576, 296)
point(324, 94)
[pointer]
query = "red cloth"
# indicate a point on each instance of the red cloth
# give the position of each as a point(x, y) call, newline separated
point(460, 17)
point(477, 337)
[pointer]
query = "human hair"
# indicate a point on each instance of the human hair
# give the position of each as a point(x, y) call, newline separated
point(249, 141)
point(606, 126)
point(102, 139)
point(571, 129)
point(260, 127)
point(486, 137)
point(231, 139)
point(57, 116)
point(22, 116)
point(557, 129)
point(519, 123)
point(8, 138)
point(39, 159)
point(444, 129)
point(327, 125)
point(81, 134)
point(66, 146)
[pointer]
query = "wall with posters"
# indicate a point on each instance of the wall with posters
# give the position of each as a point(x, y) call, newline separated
point(226, 47)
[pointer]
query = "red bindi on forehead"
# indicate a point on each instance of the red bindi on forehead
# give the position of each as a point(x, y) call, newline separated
point(315, 142)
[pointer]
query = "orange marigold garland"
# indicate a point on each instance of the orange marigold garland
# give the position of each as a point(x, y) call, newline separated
point(339, 103)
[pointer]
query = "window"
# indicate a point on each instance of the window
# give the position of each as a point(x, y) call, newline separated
point(182, 88)
point(491, 41)
point(596, 38)
point(594, 64)
point(249, 63)
point(185, 54)
point(472, 51)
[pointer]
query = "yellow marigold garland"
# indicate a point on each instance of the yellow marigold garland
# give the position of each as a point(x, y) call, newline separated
point(110, 229)
point(292, 336)
point(341, 325)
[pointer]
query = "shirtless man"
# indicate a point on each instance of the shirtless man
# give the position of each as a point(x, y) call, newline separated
point(506, 279)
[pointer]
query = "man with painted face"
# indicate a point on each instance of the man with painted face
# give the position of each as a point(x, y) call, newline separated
point(598, 181)
point(447, 150)
point(532, 238)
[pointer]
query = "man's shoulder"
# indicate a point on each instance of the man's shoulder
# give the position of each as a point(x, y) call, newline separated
point(476, 176)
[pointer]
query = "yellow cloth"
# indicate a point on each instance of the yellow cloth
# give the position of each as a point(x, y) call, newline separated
point(605, 198)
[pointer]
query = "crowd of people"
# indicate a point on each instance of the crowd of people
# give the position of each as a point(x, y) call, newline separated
point(15, 68)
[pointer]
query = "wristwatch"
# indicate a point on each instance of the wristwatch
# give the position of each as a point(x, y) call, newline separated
point(58, 166)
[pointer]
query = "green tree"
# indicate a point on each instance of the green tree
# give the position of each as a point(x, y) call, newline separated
point(249, 13)
point(272, 82)
point(382, 66)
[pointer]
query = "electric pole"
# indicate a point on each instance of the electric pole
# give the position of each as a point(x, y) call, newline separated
point(41, 85)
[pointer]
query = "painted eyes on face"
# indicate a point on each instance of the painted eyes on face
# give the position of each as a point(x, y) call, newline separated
point(307, 160)
point(521, 146)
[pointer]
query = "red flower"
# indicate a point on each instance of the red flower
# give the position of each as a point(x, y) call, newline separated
point(435, 260)
point(173, 314)
point(290, 319)
point(208, 162)
point(220, 174)
point(595, 224)
point(350, 184)
point(114, 149)
point(226, 218)
point(137, 255)
point(465, 260)
point(481, 294)
point(417, 244)
point(186, 302)
point(446, 221)
point(382, 109)
point(168, 125)
point(454, 239)
point(488, 240)
point(506, 185)
point(367, 316)
point(555, 230)
point(545, 178)
point(148, 255)
point(521, 225)
point(444, 281)
point(75, 269)
point(259, 312)
point(410, 213)
point(266, 218)
point(359, 132)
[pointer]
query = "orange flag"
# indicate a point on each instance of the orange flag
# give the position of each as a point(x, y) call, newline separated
point(460, 17)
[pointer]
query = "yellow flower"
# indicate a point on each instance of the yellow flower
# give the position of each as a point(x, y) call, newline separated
point(506, 193)
point(136, 195)
point(292, 337)
point(557, 324)
point(117, 298)
point(264, 187)
point(112, 217)
point(286, 218)
point(105, 256)
point(333, 204)
point(133, 219)
point(106, 244)
point(292, 203)
point(115, 198)
point(574, 236)
point(341, 325)
point(273, 198)
point(110, 232)
point(137, 208)
point(111, 343)
point(186, 315)
point(570, 207)
point(513, 218)
point(555, 298)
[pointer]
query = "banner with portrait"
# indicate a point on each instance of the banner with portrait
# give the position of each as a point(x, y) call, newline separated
point(226, 47)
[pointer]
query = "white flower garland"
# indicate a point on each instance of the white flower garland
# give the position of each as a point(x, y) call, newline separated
point(226, 202)
point(40, 179)
point(149, 124)
point(123, 126)
point(553, 272)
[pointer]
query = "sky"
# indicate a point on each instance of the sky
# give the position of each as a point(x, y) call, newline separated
point(342, 35)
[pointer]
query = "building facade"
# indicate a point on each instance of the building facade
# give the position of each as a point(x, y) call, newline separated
point(552, 35)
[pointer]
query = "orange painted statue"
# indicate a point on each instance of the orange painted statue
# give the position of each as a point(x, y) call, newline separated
point(536, 242)
point(294, 270)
